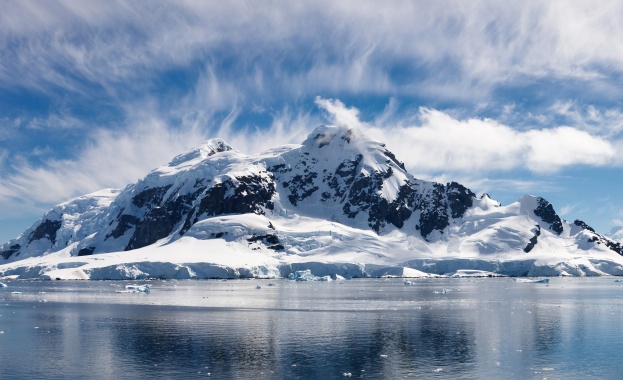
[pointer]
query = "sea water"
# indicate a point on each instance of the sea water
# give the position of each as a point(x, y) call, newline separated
point(264, 329)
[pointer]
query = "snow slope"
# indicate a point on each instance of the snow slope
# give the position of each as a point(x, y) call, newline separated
point(338, 204)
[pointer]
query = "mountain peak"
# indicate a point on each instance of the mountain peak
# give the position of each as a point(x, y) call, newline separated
point(324, 135)
point(207, 149)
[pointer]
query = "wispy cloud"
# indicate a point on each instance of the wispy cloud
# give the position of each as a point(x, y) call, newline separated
point(439, 49)
point(567, 209)
point(109, 159)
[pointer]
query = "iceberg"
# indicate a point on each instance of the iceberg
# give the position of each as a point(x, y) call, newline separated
point(138, 288)
point(535, 281)
point(306, 275)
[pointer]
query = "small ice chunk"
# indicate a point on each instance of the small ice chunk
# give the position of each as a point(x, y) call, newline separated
point(138, 288)
point(258, 287)
point(533, 281)
point(3, 285)
point(383, 356)
point(614, 281)
point(348, 374)
point(438, 370)
point(408, 282)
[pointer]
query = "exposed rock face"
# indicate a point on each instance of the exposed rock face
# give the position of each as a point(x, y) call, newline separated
point(245, 194)
point(124, 223)
point(534, 239)
point(585, 226)
point(86, 251)
point(45, 230)
point(10, 251)
point(546, 212)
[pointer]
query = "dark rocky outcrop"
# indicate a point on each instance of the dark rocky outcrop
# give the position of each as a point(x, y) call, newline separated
point(46, 230)
point(270, 240)
point(301, 187)
point(11, 251)
point(546, 212)
point(161, 221)
point(585, 226)
point(152, 196)
point(460, 199)
point(124, 223)
point(533, 239)
point(245, 194)
point(612, 245)
point(86, 251)
point(434, 211)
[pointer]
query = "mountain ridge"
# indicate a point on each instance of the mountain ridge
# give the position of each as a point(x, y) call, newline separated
point(337, 176)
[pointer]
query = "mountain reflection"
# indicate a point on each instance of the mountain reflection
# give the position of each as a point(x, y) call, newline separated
point(295, 344)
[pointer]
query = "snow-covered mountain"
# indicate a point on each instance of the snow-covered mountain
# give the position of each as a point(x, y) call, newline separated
point(338, 204)
point(616, 234)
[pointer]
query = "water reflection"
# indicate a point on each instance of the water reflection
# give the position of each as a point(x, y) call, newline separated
point(370, 329)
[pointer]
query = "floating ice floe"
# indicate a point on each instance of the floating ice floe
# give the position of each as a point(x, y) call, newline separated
point(533, 281)
point(136, 289)
point(462, 273)
point(306, 275)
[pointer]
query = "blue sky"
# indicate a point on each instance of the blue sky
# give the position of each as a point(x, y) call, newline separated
point(506, 98)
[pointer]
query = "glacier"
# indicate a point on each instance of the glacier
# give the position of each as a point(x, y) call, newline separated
point(339, 204)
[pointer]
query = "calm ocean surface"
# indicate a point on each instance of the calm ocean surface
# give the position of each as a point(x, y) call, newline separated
point(369, 328)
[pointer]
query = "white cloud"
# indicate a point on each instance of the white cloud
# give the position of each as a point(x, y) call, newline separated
point(441, 143)
point(550, 150)
point(339, 114)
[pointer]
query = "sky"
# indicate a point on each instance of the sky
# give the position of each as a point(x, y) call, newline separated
point(508, 98)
